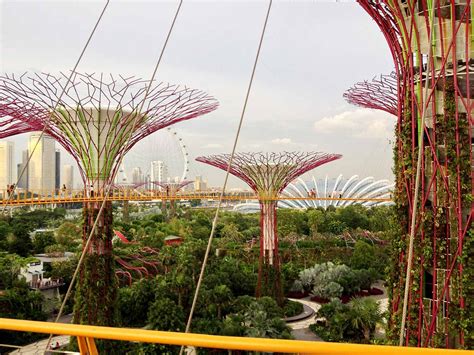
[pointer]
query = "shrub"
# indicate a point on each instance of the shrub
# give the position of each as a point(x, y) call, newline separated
point(328, 291)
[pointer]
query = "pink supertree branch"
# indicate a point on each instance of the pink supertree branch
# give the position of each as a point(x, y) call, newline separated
point(380, 94)
point(11, 123)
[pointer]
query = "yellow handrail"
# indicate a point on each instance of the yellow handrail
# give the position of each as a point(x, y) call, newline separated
point(216, 341)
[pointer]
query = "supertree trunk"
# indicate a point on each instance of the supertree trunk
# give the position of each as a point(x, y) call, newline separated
point(96, 291)
point(269, 275)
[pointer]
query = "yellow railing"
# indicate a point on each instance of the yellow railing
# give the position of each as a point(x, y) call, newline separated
point(79, 196)
point(86, 335)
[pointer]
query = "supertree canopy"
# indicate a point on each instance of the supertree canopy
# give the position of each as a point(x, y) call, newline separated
point(98, 119)
point(10, 125)
point(268, 174)
point(170, 189)
point(432, 44)
point(379, 94)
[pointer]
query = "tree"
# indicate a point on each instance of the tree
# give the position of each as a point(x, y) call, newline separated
point(5, 231)
point(353, 216)
point(354, 322)
point(364, 316)
point(230, 233)
point(20, 303)
point(254, 321)
point(363, 256)
point(165, 314)
point(20, 242)
point(316, 221)
point(42, 240)
point(68, 234)
point(10, 268)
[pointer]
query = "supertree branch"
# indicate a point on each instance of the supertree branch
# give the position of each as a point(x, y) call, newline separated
point(97, 119)
point(10, 125)
point(380, 94)
point(268, 174)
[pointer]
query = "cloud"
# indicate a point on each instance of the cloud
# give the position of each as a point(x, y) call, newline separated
point(282, 141)
point(212, 145)
point(360, 123)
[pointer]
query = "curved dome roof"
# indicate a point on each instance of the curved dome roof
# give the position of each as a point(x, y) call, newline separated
point(354, 187)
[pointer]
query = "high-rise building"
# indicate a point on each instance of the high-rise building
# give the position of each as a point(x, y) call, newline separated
point(137, 176)
point(200, 184)
point(158, 171)
point(42, 166)
point(68, 177)
point(121, 176)
point(23, 168)
point(6, 164)
point(57, 178)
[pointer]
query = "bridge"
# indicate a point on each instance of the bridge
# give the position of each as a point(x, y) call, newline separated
point(80, 196)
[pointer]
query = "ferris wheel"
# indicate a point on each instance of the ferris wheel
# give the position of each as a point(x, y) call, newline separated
point(166, 146)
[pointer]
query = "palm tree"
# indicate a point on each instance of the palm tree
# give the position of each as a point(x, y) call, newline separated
point(365, 314)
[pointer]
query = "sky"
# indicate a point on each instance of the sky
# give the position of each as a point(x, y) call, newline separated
point(312, 52)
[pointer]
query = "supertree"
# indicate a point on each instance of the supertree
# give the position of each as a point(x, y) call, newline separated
point(268, 174)
point(379, 94)
point(97, 120)
point(431, 44)
point(171, 189)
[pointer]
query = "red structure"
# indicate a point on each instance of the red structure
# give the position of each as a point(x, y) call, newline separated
point(431, 43)
point(380, 94)
point(98, 120)
point(268, 174)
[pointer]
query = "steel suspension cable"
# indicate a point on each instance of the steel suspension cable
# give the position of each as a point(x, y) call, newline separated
point(30, 155)
point(111, 179)
point(216, 215)
point(417, 180)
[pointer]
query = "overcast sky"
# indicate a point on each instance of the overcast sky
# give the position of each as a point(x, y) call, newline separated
point(312, 52)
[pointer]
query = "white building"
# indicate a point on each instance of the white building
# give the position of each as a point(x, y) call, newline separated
point(158, 171)
point(6, 164)
point(33, 274)
point(137, 176)
point(42, 166)
point(68, 177)
point(200, 184)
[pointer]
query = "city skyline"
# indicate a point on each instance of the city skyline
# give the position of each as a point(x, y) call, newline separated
point(287, 103)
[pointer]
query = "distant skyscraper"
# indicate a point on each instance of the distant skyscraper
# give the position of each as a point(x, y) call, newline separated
point(121, 176)
point(42, 166)
point(158, 171)
point(199, 184)
point(137, 176)
point(68, 177)
point(6, 164)
point(23, 180)
point(57, 180)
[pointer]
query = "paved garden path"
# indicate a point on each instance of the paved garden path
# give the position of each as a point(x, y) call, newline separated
point(300, 329)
